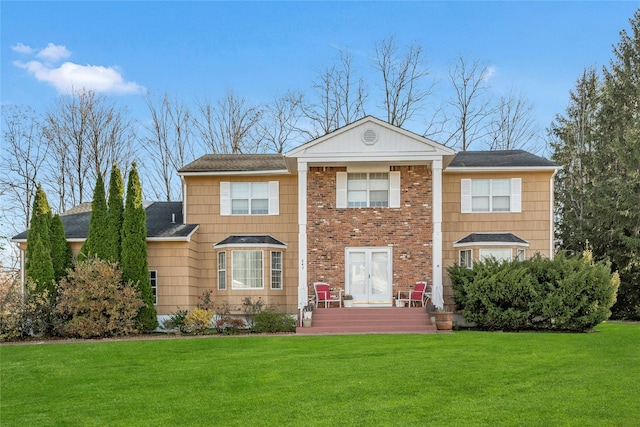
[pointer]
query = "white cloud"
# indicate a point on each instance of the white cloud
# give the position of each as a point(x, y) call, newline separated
point(492, 70)
point(54, 53)
point(70, 77)
point(22, 48)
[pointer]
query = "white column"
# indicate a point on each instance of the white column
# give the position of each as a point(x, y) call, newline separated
point(302, 235)
point(436, 192)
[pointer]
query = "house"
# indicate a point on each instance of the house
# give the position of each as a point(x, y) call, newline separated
point(369, 208)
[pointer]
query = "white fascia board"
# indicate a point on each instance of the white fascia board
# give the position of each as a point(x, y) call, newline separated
point(250, 245)
point(463, 245)
point(413, 158)
point(238, 173)
point(503, 169)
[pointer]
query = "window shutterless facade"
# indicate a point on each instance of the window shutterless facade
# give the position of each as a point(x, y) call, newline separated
point(466, 258)
point(222, 270)
point(276, 270)
point(247, 269)
point(153, 282)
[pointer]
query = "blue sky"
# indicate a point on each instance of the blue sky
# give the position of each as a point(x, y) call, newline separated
point(197, 50)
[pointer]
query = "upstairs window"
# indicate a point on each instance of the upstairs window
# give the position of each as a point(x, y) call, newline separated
point(491, 195)
point(249, 198)
point(368, 189)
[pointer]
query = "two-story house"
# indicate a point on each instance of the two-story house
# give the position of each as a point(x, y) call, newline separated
point(369, 208)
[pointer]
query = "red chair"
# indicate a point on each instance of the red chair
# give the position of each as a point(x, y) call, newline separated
point(323, 294)
point(421, 293)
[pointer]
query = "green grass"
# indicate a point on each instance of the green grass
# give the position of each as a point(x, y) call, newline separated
point(466, 378)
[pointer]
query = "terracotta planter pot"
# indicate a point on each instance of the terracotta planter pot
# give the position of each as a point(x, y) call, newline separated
point(444, 320)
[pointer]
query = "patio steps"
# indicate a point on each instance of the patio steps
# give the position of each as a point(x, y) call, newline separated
point(366, 320)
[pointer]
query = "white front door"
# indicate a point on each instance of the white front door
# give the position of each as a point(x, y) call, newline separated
point(368, 276)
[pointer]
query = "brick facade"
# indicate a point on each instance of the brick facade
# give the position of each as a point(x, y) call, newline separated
point(408, 229)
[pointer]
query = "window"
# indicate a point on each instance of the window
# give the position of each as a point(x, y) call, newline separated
point(491, 195)
point(276, 270)
point(500, 254)
point(521, 256)
point(249, 198)
point(153, 282)
point(368, 189)
point(247, 270)
point(222, 270)
point(466, 258)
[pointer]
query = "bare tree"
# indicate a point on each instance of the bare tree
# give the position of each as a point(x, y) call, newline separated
point(86, 134)
point(472, 107)
point(23, 158)
point(403, 76)
point(280, 123)
point(339, 97)
point(168, 144)
point(514, 125)
point(230, 126)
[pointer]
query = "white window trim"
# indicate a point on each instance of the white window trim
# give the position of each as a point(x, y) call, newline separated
point(281, 270)
point(223, 269)
point(393, 195)
point(273, 203)
point(515, 199)
point(523, 252)
point(470, 253)
point(153, 279)
point(233, 252)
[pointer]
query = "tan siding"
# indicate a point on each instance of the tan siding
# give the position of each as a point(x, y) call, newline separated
point(203, 205)
point(532, 224)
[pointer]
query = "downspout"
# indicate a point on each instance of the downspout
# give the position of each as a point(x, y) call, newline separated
point(436, 247)
point(302, 238)
point(184, 200)
point(552, 223)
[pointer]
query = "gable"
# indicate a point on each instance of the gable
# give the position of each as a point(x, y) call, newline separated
point(370, 139)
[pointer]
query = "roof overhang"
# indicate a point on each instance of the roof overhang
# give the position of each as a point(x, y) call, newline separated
point(491, 239)
point(250, 241)
point(510, 169)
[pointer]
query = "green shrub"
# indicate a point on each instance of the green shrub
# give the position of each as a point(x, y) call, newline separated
point(573, 294)
point(93, 302)
point(272, 321)
point(198, 321)
point(229, 325)
point(176, 320)
point(23, 316)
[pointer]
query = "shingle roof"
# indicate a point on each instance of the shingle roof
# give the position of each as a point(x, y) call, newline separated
point(164, 220)
point(236, 163)
point(500, 158)
point(259, 239)
point(499, 238)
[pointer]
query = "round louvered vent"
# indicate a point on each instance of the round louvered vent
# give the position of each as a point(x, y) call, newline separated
point(369, 136)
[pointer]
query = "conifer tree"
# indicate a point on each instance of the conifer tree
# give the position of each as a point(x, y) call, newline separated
point(39, 266)
point(115, 210)
point(134, 251)
point(95, 245)
point(61, 255)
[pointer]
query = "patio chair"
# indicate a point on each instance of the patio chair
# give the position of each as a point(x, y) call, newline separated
point(323, 295)
point(420, 293)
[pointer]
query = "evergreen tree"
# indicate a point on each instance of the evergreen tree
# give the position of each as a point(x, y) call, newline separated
point(61, 255)
point(114, 215)
point(39, 266)
point(134, 251)
point(616, 184)
point(96, 243)
point(598, 191)
point(573, 141)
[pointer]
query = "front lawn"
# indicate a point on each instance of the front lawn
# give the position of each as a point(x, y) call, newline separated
point(466, 378)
